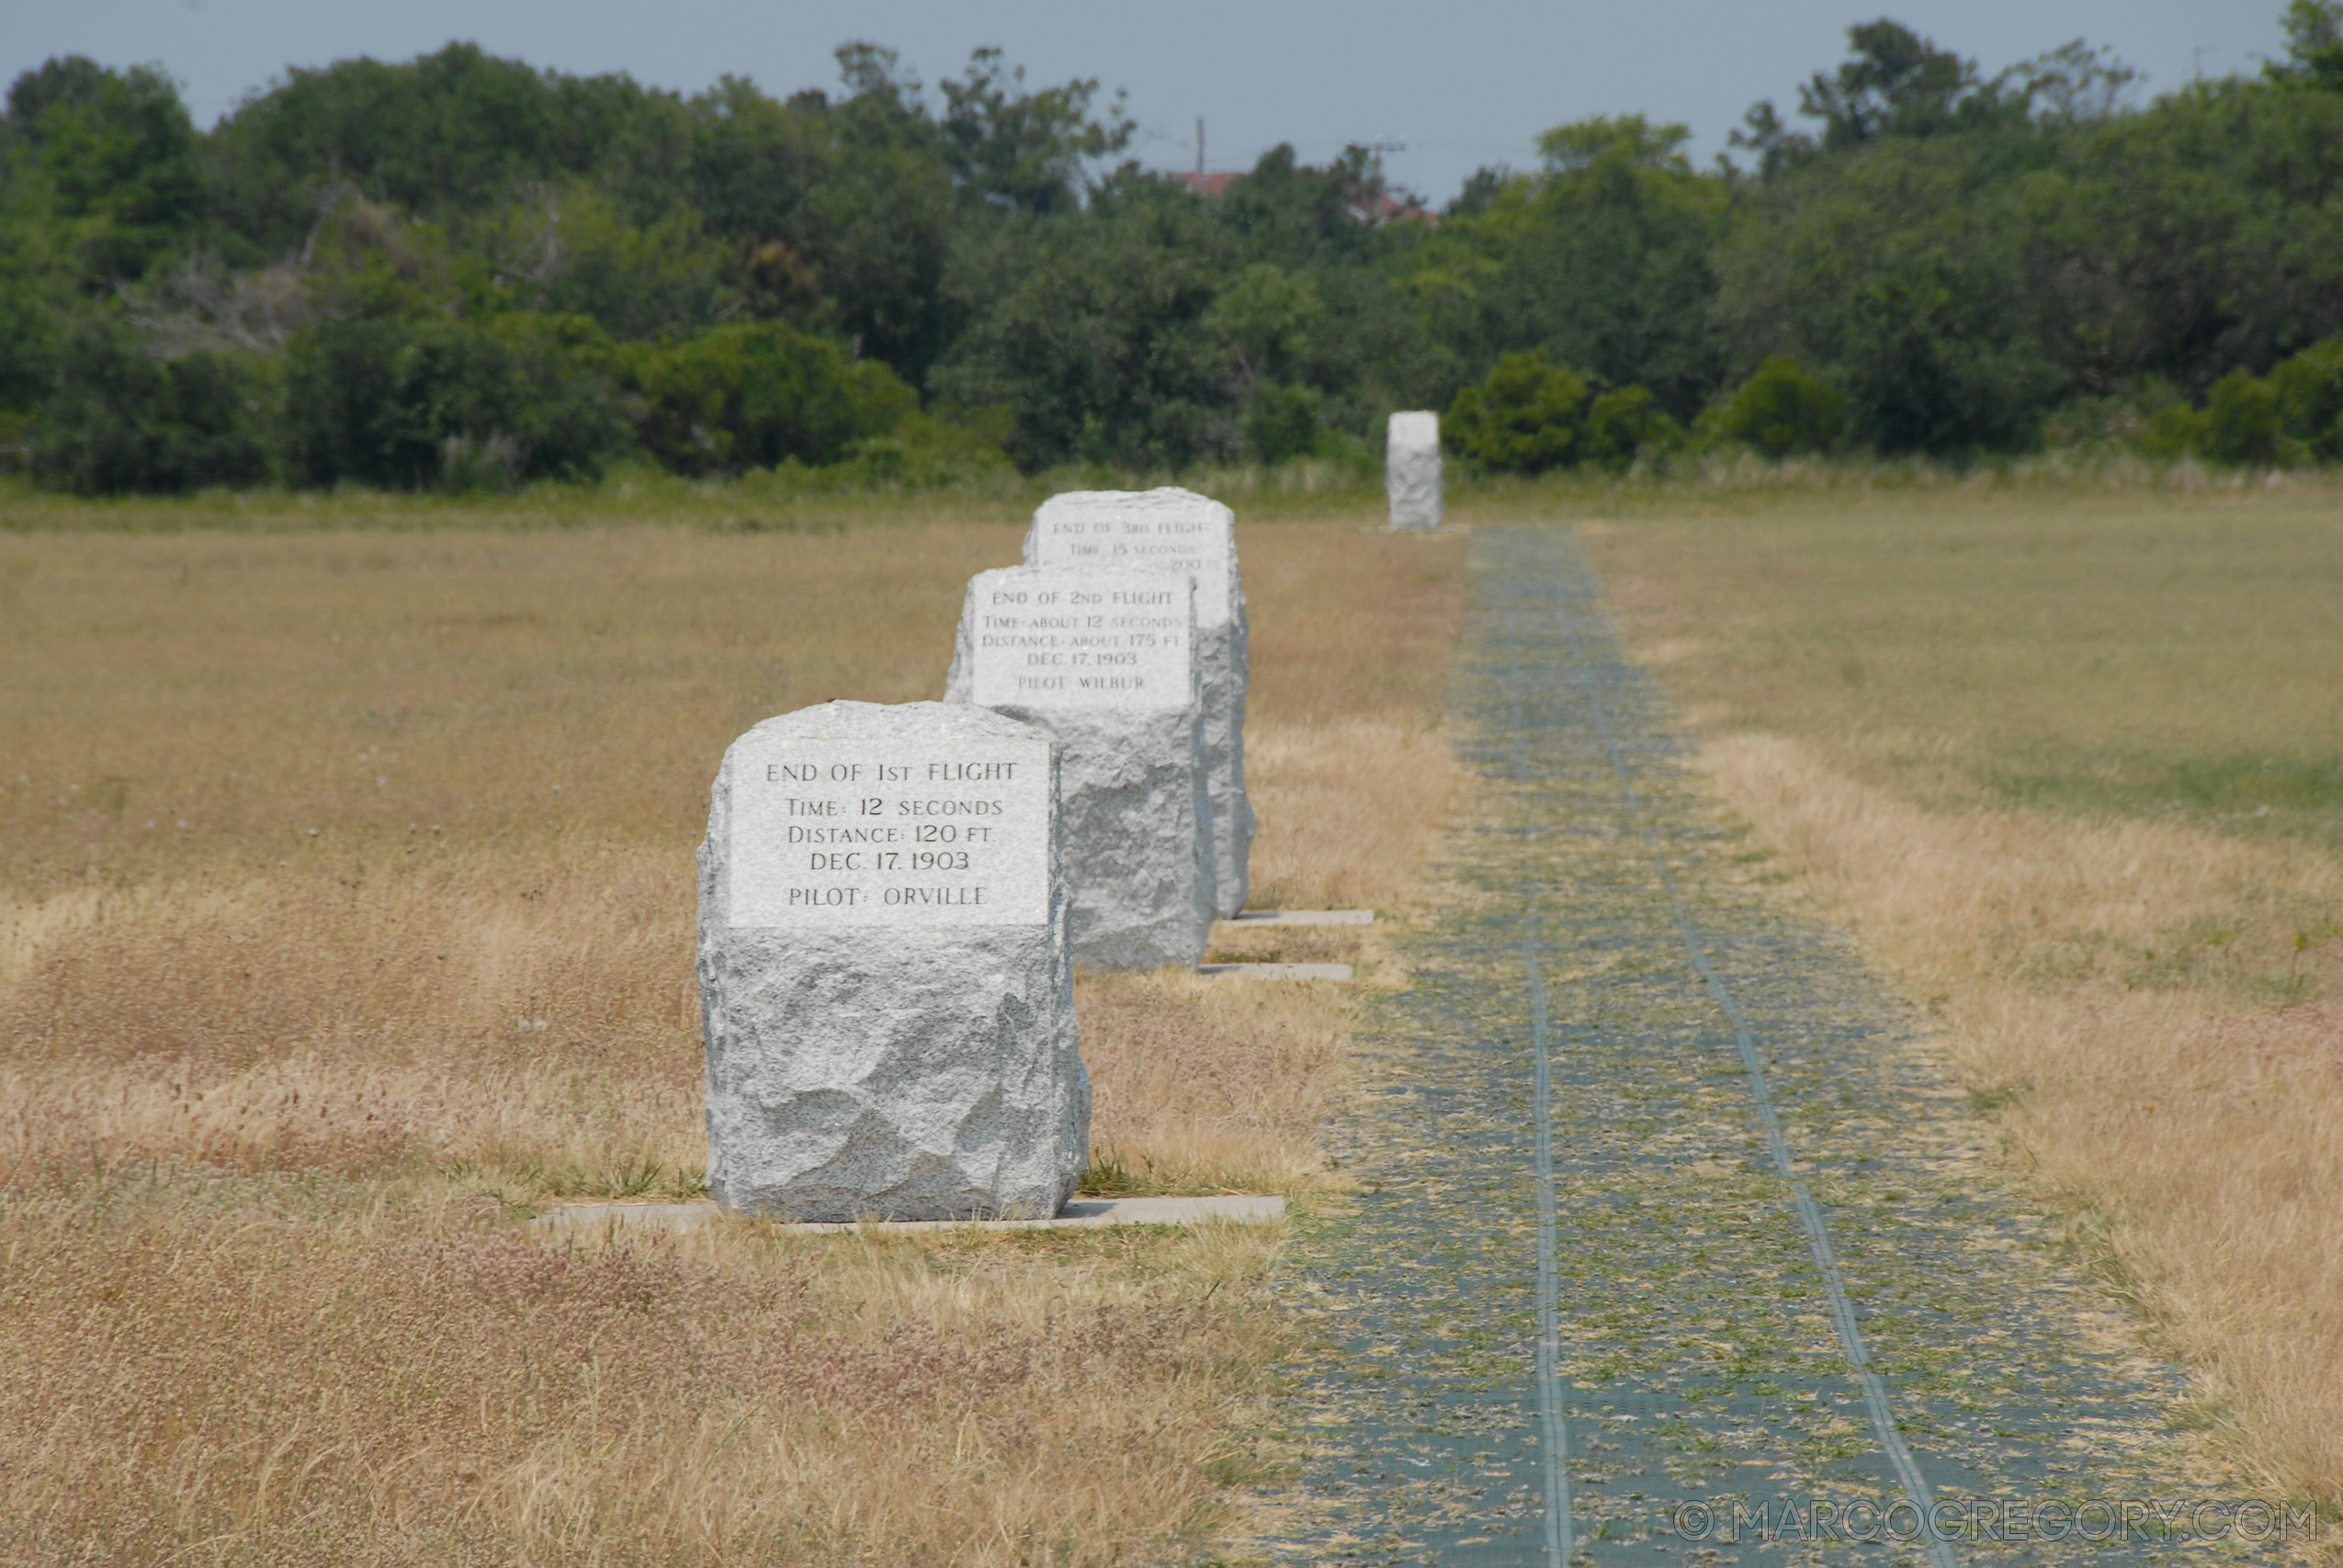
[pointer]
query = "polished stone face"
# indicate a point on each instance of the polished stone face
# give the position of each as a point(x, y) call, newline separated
point(886, 976)
point(1178, 529)
point(1078, 637)
point(830, 832)
point(1104, 657)
point(1146, 527)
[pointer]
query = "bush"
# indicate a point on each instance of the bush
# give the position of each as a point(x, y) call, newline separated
point(922, 453)
point(1624, 424)
point(2104, 422)
point(1525, 418)
point(2174, 430)
point(558, 403)
point(413, 404)
point(758, 394)
point(121, 420)
point(2292, 415)
point(2242, 424)
point(2310, 403)
point(1284, 422)
point(1783, 409)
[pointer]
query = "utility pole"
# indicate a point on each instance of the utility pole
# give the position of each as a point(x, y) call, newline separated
point(1199, 157)
point(1381, 194)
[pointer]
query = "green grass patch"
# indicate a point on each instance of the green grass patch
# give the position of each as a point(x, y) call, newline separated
point(2125, 654)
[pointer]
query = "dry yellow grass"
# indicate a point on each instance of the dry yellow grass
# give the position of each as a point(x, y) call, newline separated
point(2132, 984)
point(2208, 1135)
point(318, 1374)
point(1202, 1086)
point(405, 951)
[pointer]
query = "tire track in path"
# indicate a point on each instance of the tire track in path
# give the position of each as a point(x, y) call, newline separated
point(1670, 1243)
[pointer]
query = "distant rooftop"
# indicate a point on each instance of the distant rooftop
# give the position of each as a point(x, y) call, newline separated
point(1217, 181)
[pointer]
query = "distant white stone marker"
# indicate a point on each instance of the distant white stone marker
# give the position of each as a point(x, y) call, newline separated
point(1104, 659)
point(1173, 530)
point(885, 979)
point(1411, 469)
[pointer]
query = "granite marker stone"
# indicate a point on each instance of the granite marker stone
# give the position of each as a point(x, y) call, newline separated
point(1174, 530)
point(885, 979)
point(1411, 469)
point(1103, 658)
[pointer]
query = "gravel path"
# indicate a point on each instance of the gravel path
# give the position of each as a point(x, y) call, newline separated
point(1671, 1242)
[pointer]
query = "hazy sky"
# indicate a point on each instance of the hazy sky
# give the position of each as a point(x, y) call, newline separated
point(1461, 82)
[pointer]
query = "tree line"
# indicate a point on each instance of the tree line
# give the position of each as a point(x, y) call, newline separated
point(463, 271)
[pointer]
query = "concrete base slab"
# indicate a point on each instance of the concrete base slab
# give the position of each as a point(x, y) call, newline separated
point(1275, 971)
point(1303, 918)
point(1079, 1213)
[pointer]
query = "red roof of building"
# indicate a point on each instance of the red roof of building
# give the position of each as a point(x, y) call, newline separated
point(1216, 181)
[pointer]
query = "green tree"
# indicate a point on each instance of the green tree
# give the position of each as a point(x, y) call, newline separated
point(880, 238)
point(1961, 285)
point(411, 402)
point(753, 160)
point(569, 251)
point(2244, 422)
point(1266, 316)
point(2310, 402)
point(2314, 46)
point(1603, 260)
point(1093, 326)
point(1525, 417)
point(1026, 150)
point(1623, 424)
point(115, 154)
point(2203, 234)
point(1296, 215)
point(858, 192)
point(1284, 422)
point(441, 137)
point(1899, 83)
point(36, 288)
point(1316, 244)
point(1783, 410)
point(2292, 415)
point(758, 394)
point(1944, 304)
point(121, 419)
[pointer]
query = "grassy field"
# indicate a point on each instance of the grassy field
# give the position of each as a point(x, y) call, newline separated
point(346, 921)
point(2071, 766)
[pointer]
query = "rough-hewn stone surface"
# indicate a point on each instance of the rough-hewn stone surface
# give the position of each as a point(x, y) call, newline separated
point(1103, 658)
point(1411, 469)
point(1173, 529)
point(886, 975)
